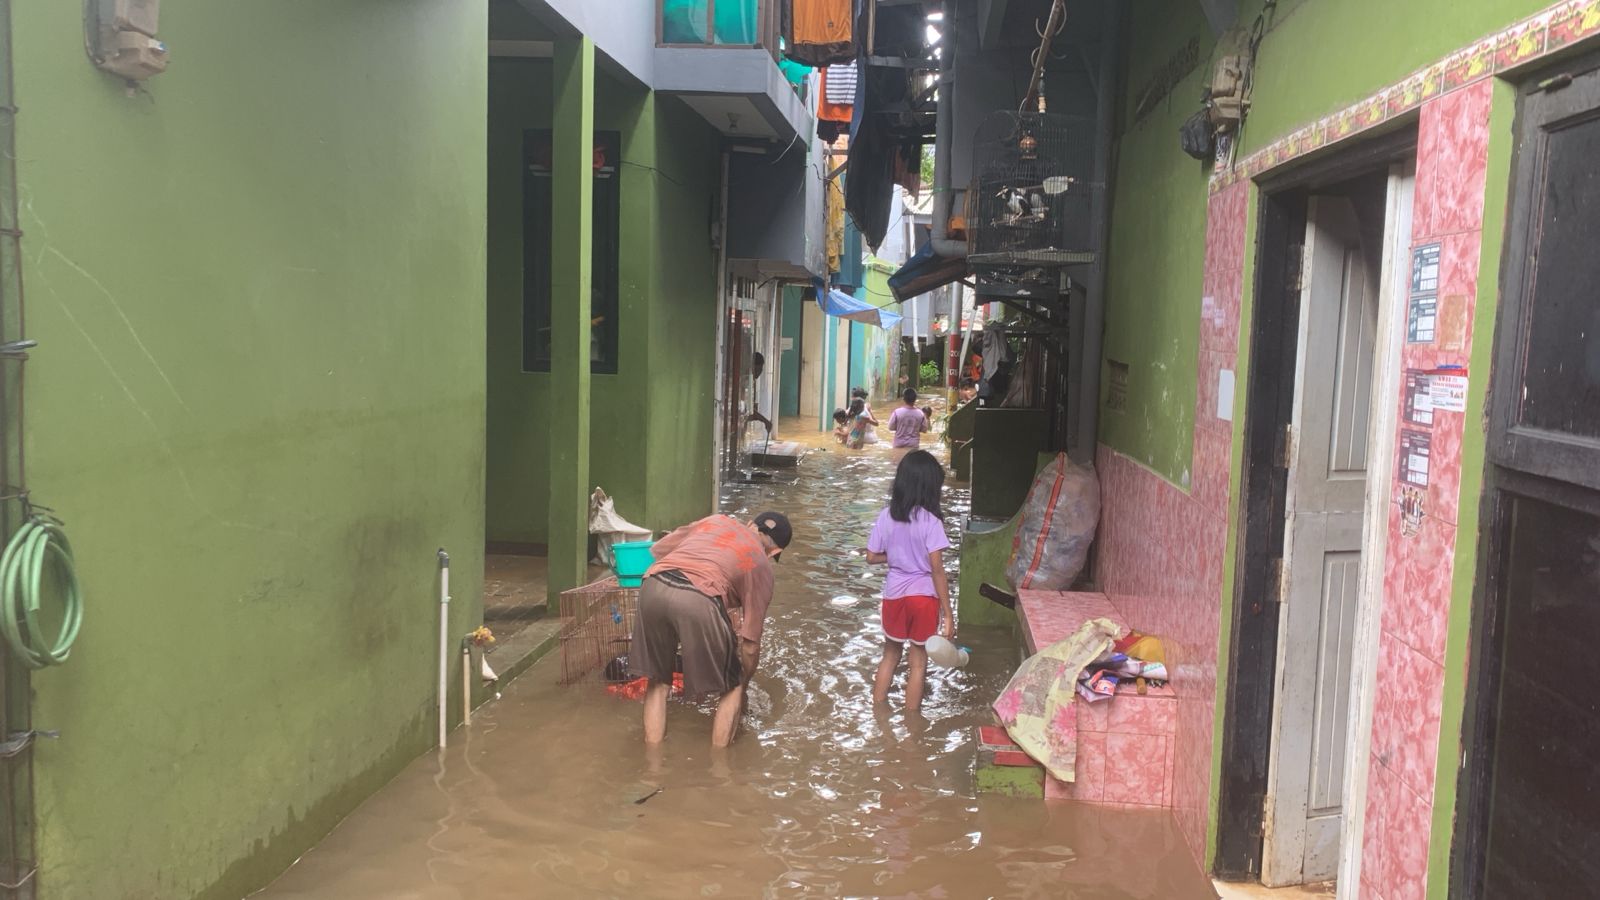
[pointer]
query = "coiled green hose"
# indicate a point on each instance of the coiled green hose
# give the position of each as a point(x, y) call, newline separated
point(38, 543)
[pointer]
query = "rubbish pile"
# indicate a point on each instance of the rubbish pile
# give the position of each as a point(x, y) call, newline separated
point(1136, 657)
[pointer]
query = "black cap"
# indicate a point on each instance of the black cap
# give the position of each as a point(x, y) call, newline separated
point(775, 525)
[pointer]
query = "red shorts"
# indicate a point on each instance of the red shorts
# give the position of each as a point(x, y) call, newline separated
point(913, 619)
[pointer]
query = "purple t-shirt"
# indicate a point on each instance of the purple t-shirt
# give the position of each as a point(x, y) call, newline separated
point(908, 545)
point(908, 425)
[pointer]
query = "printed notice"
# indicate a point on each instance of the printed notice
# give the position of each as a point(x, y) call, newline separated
point(1425, 269)
point(1422, 316)
point(1449, 392)
point(1419, 398)
point(1415, 449)
point(1422, 319)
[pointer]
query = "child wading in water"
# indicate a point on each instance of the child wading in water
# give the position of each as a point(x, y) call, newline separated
point(861, 421)
point(909, 536)
point(907, 422)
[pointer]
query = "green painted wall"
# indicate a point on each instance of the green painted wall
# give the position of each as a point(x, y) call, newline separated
point(1156, 258)
point(1317, 56)
point(661, 396)
point(1321, 55)
point(258, 404)
point(789, 360)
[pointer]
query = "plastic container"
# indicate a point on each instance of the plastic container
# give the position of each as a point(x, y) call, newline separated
point(631, 560)
point(947, 654)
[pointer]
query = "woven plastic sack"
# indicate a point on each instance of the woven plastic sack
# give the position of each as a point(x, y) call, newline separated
point(1058, 522)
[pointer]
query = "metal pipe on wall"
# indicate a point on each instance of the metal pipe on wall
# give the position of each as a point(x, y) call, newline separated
point(444, 646)
point(943, 126)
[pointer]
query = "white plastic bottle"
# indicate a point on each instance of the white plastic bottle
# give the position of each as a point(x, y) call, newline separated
point(945, 653)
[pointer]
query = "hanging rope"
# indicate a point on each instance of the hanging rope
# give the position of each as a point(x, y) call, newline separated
point(38, 544)
point(1058, 20)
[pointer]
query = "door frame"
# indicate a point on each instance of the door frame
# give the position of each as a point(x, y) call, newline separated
point(1252, 663)
point(1548, 467)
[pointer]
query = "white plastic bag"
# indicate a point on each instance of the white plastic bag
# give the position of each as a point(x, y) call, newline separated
point(1057, 526)
point(611, 528)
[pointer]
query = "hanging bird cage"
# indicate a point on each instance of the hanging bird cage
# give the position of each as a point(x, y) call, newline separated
point(1030, 200)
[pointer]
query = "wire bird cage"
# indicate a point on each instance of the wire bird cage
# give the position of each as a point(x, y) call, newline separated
point(598, 630)
point(1030, 200)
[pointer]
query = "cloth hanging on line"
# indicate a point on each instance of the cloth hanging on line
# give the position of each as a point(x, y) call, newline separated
point(841, 87)
point(827, 110)
point(995, 350)
point(835, 236)
point(818, 32)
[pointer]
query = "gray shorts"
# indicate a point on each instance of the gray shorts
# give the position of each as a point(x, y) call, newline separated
point(669, 617)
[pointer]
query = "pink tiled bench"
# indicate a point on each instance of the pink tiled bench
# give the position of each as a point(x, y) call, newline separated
point(1125, 744)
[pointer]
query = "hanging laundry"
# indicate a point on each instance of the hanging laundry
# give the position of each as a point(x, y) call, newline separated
point(835, 235)
point(841, 85)
point(829, 112)
point(818, 32)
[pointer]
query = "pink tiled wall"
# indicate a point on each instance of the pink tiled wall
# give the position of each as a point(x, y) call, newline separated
point(1452, 159)
point(1161, 547)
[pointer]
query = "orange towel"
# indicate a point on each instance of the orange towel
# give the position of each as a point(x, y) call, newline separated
point(819, 32)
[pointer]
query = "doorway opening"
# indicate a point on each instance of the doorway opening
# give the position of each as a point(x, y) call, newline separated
point(1327, 322)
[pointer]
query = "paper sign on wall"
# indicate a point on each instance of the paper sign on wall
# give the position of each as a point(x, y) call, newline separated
point(1419, 398)
point(1449, 392)
point(1422, 315)
point(1416, 448)
point(1225, 395)
point(786, 343)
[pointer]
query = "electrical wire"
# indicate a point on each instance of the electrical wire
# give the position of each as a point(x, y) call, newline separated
point(39, 543)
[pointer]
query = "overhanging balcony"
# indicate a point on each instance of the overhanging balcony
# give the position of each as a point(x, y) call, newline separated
point(721, 57)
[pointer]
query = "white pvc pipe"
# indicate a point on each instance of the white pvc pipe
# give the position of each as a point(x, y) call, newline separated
point(444, 639)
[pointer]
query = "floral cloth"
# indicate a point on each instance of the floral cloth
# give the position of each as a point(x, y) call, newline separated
point(1037, 707)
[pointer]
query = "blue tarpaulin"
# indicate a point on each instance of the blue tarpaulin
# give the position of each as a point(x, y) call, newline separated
point(838, 303)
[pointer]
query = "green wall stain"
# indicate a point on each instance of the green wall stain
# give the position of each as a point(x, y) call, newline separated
point(258, 405)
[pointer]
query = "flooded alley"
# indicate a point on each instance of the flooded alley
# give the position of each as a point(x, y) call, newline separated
point(550, 792)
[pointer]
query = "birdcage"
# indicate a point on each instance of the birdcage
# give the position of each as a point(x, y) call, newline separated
point(1030, 201)
point(598, 629)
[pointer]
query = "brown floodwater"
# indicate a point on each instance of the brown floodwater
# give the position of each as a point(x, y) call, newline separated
point(550, 792)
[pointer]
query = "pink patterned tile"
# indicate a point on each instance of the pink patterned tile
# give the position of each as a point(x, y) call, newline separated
point(1166, 779)
point(1375, 827)
point(1452, 162)
point(1093, 716)
point(1404, 874)
point(1091, 772)
point(1143, 715)
point(1405, 714)
point(1417, 582)
point(1051, 616)
point(1368, 892)
point(1213, 462)
point(1136, 768)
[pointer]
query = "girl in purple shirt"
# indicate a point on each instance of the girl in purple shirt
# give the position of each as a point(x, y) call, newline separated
point(909, 536)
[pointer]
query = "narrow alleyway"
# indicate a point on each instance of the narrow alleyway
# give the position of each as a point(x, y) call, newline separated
point(549, 793)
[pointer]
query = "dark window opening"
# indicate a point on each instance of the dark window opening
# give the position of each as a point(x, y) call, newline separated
point(604, 256)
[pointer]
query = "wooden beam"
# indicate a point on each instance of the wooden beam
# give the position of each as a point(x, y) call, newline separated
point(991, 18)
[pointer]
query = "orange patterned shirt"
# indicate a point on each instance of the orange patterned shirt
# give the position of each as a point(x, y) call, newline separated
point(724, 558)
